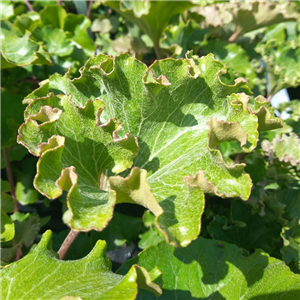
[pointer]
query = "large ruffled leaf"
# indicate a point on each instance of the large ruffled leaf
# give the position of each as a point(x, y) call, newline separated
point(208, 269)
point(18, 49)
point(180, 111)
point(41, 275)
point(74, 155)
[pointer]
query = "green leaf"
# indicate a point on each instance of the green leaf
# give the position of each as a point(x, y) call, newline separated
point(56, 41)
point(151, 16)
point(18, 49)
point(246, 16)
point(248, 231)
point(285, 148)
point(78, 27)
point(42, 275)
point(283, 64)
point(7, 227)
point(16, 153)
point(5, 187)
point(25, 192)
point(27, 228)
point(53, 15)
point(11, 117)
point(7, 203)
point(121, 230)
point(151, 237)
point(180, 38)
point(234, 57)
point(211, 269)
point(185, 112)
point(64, 163)
point(28, 21)
point(291, 248)
point(6, 9)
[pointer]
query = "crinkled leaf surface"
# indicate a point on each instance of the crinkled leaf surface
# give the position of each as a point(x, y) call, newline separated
point(18, 49)
point(151, 16)
point(208, 269)
point(179, 110)
point(75, 149)
point(41, 275)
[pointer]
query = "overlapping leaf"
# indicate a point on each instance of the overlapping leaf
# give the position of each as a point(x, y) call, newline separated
point(285, 148)
point(247, 16)
point(41, 275)
point(75, 149)
point(18, 49)
point(281, 57)
point(208, 269)
point(24, 230)
point(246, 230)
point(151, 16)
point(179, 110)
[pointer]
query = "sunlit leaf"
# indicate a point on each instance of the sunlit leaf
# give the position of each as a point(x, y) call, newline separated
point(188, 273)
point(185, 113)
point(18, 49)
point(42, 275)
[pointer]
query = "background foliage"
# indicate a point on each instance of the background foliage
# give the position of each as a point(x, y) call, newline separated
point(161, 150)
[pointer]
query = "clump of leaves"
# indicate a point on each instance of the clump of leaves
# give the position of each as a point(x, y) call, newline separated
point(143, 156)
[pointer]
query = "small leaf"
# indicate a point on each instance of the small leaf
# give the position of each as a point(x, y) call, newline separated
point(7, 227)
point(27, 228)
point(285, 148)
point(6, 9)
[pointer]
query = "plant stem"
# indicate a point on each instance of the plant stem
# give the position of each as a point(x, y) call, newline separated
point(10, 179)
point(88, 14)
point(233, 36)
point(157, 51)
point(29, 5)
point(69, 240)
